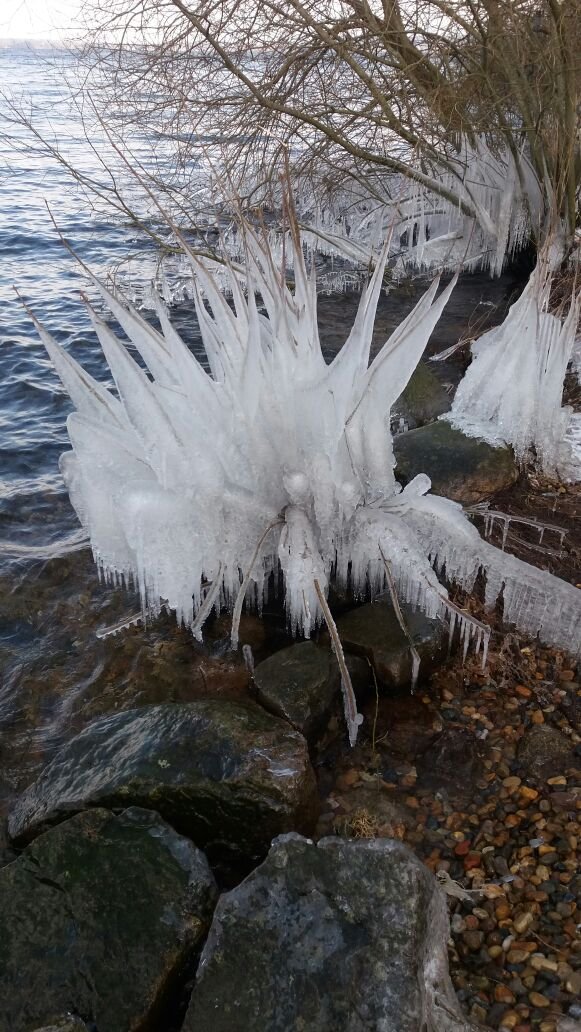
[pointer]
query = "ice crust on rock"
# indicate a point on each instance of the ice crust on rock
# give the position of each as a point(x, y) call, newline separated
point(200, 487)
point(512, 391)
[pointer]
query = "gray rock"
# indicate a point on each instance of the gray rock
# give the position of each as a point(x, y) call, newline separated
point(461, 468)
point(68, 1023)
point(300, 684)
point(226, 774)
point(423, 399)
point(102, 916)
point(373, 631)
point(543, 749)
point(344, 935)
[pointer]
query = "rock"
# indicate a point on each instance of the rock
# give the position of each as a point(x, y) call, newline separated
point(302, 684)
point(102, 916)
point(461, 468)
point(452, 762)
point(423, 400)
point(347, 935)
point(226, 774)
point(543, 749)
point(68, 1023)
point(372, 631)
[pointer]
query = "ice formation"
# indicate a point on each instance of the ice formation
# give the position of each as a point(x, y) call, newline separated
point(203, 487)
point(479, 211)
point(512, 391)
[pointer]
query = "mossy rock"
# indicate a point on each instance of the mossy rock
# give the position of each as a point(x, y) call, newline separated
point(104, 917)
point(423, 399)
point(461, 468)
point(226, 774)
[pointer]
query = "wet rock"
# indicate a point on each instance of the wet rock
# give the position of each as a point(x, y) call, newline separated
point(543, 749)
point(373, 631)
point(226, 774)
point(69, 1023)
point(461, 468)
point(423, 400)
point(302, 684)
point(452, 762)
point(102, 916)
point(344, 934)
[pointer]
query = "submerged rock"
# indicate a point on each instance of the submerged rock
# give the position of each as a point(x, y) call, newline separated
point(461, 468)
point(226, 774)
point(423, 399)
point(102, 917)
point(373, 631)
point(347, 935)
point(544, 749)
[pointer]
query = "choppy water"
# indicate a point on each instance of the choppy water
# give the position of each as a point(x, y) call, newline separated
point(52, 668)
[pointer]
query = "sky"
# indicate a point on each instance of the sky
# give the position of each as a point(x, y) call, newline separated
point(38, 19)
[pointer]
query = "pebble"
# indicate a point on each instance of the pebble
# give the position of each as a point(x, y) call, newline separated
point(538, 1000)
point(507, 831)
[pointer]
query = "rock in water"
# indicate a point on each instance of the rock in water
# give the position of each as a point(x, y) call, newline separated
point(461, 468)
point(373, 631)
point(544, 750)
point(343, 935)
point(226, 774)
point(101, 916)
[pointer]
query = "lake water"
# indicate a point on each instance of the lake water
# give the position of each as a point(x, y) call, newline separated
point(53, 670)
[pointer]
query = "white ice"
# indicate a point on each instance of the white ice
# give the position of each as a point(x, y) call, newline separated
point(197, 487)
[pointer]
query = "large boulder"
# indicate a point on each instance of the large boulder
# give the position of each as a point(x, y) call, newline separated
point(345, 934)
point(422, 400)
point(226, 774)
point(373, 631)
point(302, 683)
point(461, 468)
point(103, 917)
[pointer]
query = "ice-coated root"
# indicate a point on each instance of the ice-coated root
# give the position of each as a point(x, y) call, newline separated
point(512, 391)
point(535, 601)
point(200, 489)
point(493, 516)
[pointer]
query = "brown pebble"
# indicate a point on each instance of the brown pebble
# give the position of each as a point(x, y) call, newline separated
point(523, 921)
point(510, 1019)
point(537, 717)
point(527, 793)
point(517, 956)
point(502, 994)
point(567, 675)
point(538, 1000)
point(541, 963)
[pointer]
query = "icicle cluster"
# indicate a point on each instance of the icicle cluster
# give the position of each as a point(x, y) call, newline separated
point(428, 230)
point(512, 391)
point(199, 487)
